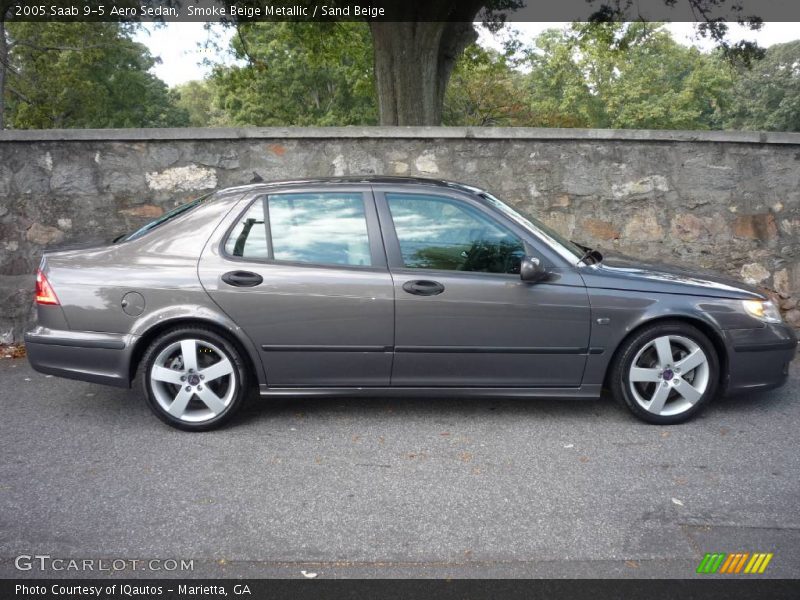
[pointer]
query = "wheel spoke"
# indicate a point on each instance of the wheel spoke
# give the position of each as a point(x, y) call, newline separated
point(664, 350)
point(189, 352)
point(659, 399)
point(178, 406)
point(166, 375)
point(687, 390)
point(641, 374)
point(211, 400)
point(217, 370)
point(695, 358)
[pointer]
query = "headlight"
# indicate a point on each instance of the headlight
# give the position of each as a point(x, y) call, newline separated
point(764, 310)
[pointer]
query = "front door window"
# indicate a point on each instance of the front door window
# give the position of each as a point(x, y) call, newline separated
point(443, 234)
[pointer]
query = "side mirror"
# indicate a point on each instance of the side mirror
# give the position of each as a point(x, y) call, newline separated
point(531, 269)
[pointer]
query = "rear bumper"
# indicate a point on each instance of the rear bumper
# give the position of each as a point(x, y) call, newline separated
point(96, 357)
point(759, 359)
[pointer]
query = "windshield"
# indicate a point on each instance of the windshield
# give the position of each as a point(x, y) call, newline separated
point(568, 248)
point(183, 208)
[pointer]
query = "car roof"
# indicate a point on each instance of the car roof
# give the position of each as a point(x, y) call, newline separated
point(352, 179)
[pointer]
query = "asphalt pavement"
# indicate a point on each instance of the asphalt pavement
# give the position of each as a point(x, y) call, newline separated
point(392, 487)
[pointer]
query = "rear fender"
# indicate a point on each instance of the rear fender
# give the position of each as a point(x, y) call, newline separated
point(150, 325)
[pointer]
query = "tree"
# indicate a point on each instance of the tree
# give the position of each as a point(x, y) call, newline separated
point(414, 55)
point(560, 94)
point(82, 75)
point(414, 60)
point(767, 97)
point(625, 75)
point(199, 100)
point(486, 90)
point(299, 74)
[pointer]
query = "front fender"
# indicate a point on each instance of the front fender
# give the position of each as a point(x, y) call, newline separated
point(617, 313)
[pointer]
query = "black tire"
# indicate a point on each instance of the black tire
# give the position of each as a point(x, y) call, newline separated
point(619, 374)
point(238, 376)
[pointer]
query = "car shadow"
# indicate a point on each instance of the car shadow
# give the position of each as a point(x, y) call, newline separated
point(604, 409)
point(260, 408)
point(128, 406)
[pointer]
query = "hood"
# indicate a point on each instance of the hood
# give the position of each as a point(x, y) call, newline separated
point(624, 273)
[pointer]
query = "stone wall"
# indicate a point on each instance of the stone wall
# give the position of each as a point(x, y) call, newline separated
point(721, 200)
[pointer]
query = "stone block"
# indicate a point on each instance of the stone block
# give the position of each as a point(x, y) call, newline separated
point(44, 235)
point(760, 227)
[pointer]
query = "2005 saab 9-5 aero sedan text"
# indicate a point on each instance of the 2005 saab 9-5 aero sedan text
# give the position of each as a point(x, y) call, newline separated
point(390, 286)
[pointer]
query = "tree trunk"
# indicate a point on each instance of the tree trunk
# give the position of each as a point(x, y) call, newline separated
point(414, 60)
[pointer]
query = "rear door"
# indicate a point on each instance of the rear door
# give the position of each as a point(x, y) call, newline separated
point(463, 316)
point(304, 273)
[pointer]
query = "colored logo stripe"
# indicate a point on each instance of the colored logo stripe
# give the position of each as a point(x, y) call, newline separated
point(721, 562)
point(758, 564)
point(710, 563)
point(734, 563)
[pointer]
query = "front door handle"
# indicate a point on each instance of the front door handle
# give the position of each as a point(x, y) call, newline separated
point(242, 278)
point(423, 287)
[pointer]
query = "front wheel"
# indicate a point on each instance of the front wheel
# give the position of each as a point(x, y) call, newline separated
point(666, 373)
point(194, 379)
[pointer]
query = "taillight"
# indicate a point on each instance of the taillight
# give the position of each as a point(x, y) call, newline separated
point(44, 291)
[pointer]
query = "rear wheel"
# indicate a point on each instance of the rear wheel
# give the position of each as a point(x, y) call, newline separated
point(666, 373)
point(194, 379)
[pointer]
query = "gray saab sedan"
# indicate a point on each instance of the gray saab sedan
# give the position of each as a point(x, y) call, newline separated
point(390, 286)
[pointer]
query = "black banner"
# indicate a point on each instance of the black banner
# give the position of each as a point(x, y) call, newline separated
point(390, 589)
point(398, 10)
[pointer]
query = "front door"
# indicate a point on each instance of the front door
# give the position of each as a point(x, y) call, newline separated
point(304, 274)
point(463, 316)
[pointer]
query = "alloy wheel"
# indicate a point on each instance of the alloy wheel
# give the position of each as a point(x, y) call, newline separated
point(669, 375)
point(193, 380)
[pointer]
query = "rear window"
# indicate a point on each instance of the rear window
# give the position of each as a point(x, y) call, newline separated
point(168, 216)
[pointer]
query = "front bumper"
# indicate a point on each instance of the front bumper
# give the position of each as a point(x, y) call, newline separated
point(88, 356)
point(759, 358)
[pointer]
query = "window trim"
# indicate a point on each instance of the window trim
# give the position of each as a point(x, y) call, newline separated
point(267, 227)
point(392, 242)
point(375, 240)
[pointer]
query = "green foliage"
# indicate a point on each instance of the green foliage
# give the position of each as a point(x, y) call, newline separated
point(486, 90)
point(592, 75)
point(620, 75)
point(199, 100)
point(559, 89)
point(299, 74)
point(625, 76)
point(768, 95)
point(84, 75)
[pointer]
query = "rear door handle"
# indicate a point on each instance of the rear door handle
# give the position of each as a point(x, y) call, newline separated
point(423, 287)
point(242, 278)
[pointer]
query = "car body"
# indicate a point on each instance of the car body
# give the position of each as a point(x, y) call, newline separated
point(401, 286)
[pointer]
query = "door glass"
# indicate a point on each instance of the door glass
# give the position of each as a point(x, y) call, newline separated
point(440, 233)
point(326, 228)
point(248, 238)
point(322, 228)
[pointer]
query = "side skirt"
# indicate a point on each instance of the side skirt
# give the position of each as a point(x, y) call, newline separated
point(586, 392)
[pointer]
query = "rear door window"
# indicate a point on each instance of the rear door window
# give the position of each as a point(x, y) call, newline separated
point(326, 228)
point(248, 239)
